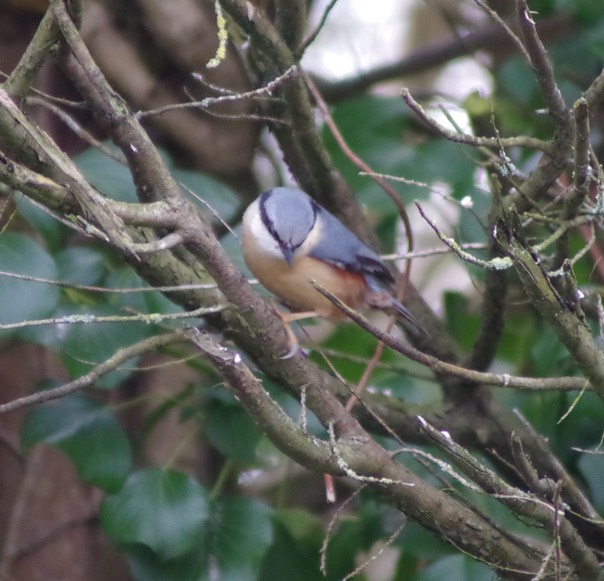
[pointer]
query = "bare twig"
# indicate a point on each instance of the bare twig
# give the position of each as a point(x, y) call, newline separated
point(23, 75)
point(595, 92)
point(265, 91)
point(542, 66)
point(443, 368)
point(573, 494)
point(496, 263)
point(109, 365)
point(567, 322)
point(457, 137)
point(582, 168)
point(74, 126)
point(149, 318)
point(103, 289)
point(503, 26)
point(315, 32)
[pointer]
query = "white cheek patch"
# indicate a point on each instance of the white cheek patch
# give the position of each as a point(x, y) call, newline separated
point(313, 238)
point(263, 237)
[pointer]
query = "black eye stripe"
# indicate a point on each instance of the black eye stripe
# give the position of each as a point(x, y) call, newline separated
point(266, 220)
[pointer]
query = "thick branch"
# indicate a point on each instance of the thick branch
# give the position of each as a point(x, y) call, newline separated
point(583, 559)
point(568, 324)
point(354, 453)
point(23, 75)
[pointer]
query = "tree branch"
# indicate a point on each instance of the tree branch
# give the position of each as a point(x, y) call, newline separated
point(584, 560)
point(489, 38)
point(443, 368)
point(568, 324)
point(354, 453)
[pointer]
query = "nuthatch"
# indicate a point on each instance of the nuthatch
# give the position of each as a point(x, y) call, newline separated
point(288, 239)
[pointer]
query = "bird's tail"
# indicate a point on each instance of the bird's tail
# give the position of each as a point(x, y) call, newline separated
point(408, 317)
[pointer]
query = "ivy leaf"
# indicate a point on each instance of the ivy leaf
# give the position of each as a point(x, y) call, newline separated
point(230, 429)
point(230, 544)
point(21, 255)
point(164, 510)
point(88, 433)
point(241, 533)
point(106, 174)
point(86, 344)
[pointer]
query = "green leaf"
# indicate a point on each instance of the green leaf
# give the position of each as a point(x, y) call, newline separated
point(439, 160)
point(343, 549)
point(581, 428)
point(88, 433)
point(588, 13)
point(85, 345)
point(215, 199)
point(592, 469)
point(145, 565)
point(106, 174)
point(124, 277)
point(463, 324)
point(288, 559)
point(240, 534)
point(357, 347)
point(417, 541)
point(115, 181)
point(407, 567)
point(82, 265)
point(377, 129)
point(21, 300)
point(372, 127)
point(230, 430)
point(161, 509)
point(54, 232)
point(229, 544)
point(548, 356)
point(516, 80)
point(301, 524)
point(518, 338)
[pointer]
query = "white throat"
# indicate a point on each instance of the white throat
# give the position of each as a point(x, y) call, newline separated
point(265, 242)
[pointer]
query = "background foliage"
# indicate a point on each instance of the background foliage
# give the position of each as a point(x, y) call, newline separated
point(165, 473)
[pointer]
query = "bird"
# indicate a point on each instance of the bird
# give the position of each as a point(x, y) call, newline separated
point(288, 239)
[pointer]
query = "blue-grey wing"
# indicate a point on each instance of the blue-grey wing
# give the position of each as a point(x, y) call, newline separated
point(340, 247)
point(343, 249)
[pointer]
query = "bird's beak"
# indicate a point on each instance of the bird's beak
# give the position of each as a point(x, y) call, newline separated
point(288, 253)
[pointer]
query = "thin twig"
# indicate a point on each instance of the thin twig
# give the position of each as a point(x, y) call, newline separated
point(265, 91)
point(363, 166)
point(541, 64)
point(464, 138)
point(440, 367)
point(504, 26)
point(117, 290)
point(109, 365)
point(581, 167)
point(72, 124)
point(313, 35)
point(149, 318)
point(550, 516)
point(496, 263)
